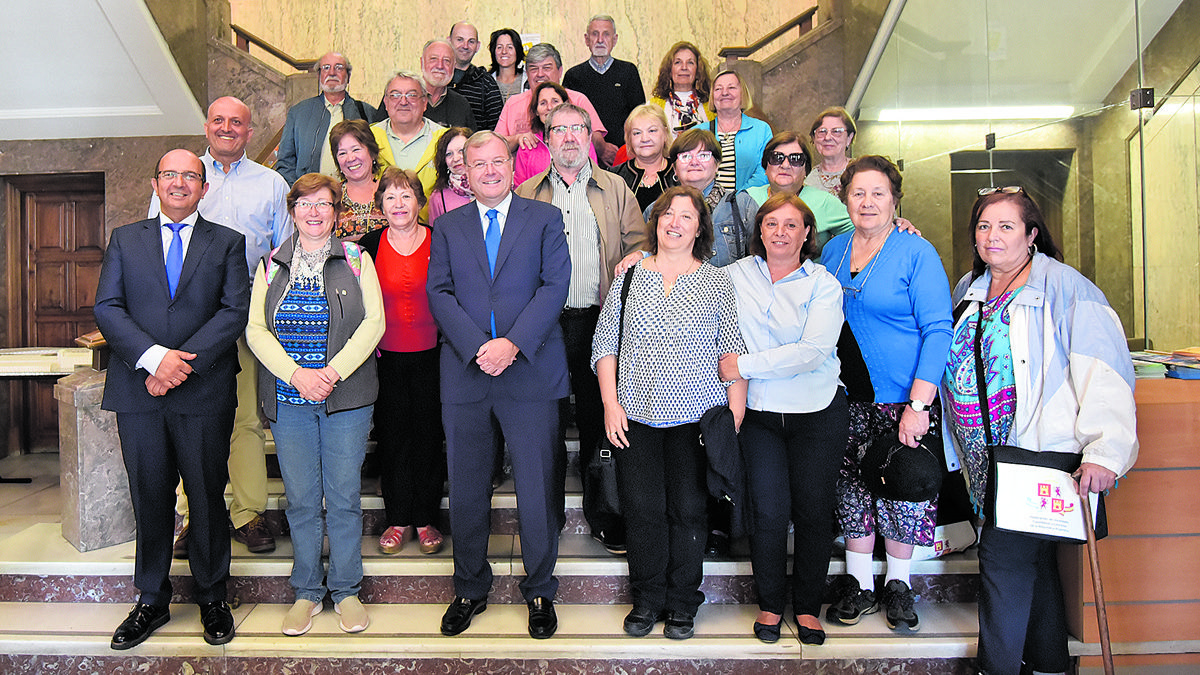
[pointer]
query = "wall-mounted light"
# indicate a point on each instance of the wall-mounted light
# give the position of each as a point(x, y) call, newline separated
point(1013, 112)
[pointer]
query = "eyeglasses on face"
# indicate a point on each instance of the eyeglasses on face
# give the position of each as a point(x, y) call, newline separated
point(702, 156)
point(336, 67)
point(189, 176)
point(795, 159)
point(1009, 190)
point(482, 164)
point(409, 96)
point(561, 129)
point(320, 206)
point(836, 132)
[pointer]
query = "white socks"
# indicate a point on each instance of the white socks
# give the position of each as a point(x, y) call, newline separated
point(898, 569)
point(858, 565)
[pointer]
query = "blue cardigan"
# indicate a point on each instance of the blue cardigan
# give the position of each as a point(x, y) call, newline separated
point(748, 147)
point(901, 316)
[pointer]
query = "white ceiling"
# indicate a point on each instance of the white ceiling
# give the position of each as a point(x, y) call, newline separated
point(90, 69)
point(1010, 53)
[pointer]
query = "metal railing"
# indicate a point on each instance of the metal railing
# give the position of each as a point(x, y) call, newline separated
point(245, 38)
point(804, 21)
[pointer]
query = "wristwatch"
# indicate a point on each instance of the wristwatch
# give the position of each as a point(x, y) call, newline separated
point(918, 406)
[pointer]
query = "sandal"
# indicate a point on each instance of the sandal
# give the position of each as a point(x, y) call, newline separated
point(431, 540)
point(394, 538)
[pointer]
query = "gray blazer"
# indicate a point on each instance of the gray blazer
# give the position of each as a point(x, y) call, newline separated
point(304, 134)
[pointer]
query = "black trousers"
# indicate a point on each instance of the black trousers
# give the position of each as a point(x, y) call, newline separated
point(408, 435)
point(792, 462)
point(662, 485)
point(578, 326)
point(160, 449)
point(1021, 611)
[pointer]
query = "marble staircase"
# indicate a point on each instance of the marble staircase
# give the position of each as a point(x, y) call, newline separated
point(58, 608)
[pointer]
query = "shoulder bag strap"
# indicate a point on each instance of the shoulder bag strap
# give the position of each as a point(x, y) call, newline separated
point(738, 226)
point(981, 379)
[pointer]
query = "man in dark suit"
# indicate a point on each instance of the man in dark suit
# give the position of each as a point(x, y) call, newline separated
point(171, 301)
point(499, 271)
point(304, 146)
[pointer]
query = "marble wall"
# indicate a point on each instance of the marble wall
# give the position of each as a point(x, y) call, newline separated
point(381, 36)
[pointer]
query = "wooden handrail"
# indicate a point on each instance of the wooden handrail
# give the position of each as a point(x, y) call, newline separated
point(245, 38)
point(804, 21)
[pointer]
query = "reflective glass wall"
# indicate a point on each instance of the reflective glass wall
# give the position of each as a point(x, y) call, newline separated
point(1037, 94)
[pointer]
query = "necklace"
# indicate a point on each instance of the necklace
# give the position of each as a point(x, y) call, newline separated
point(670, 286)
point(854, 291)
point(870, 256)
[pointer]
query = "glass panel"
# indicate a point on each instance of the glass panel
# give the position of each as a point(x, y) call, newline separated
point(1036, 94)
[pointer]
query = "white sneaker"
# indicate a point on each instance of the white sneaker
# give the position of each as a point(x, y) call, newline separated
point(298, 620)
point(354, 615)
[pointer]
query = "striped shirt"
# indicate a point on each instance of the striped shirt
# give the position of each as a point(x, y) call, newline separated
point(583, 236)
point(727, 171)
point(482, 92)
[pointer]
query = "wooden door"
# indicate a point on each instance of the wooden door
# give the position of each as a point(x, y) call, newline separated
point(54, 265)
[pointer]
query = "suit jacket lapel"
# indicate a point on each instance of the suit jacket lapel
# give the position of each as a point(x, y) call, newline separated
point(512, 230)
point(152, 238)
point(200, 241)
point(320, 122)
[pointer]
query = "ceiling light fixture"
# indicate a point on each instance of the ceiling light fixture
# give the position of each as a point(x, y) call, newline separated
point(1016, 112)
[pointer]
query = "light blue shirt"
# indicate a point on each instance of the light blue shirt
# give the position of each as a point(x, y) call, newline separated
point(154, 354)
point(601, 69)
point(791, 329)
point(250, 199)
point(501, 208)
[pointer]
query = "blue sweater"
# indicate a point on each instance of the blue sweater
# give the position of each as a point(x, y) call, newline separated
point(901, 316)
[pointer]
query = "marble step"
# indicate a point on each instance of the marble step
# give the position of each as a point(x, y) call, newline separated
point(38, 565)
point(39, 637)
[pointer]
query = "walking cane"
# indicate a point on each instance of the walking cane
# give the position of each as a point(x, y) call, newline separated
point(1097, 587)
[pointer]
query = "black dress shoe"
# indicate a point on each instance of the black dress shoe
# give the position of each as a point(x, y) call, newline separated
point(717, 545)
point(679, 626)
point(542, 619)
point(640, 621)
point(141, 622)
point(459, 614)
point(217, 621)
point(810, 636)
point(766, 632)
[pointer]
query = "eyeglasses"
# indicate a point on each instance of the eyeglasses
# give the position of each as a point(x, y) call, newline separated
point(561, 129)
point(409, 96)
point(337, 68)
point(1010, 190)
point(320, 206)
point(189, 176)
point(702, 156)
point(795, 159)
point(836, 132)
point(497, 164)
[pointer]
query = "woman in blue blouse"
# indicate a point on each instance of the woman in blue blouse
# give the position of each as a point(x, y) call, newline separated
point(681, 318)
point(742, 137)
point(794, 435)
point(893, 348)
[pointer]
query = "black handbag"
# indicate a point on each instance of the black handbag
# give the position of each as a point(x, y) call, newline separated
point(892, 470)
point(600, 475)
point(1067, 462)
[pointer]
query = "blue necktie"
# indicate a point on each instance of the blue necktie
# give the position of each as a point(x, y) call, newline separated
point(491, 241)
point(174, 257)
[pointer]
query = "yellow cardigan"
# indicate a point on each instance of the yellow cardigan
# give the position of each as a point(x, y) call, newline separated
point(425, 168)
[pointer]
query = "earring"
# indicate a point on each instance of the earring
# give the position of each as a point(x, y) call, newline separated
point(1032, 250)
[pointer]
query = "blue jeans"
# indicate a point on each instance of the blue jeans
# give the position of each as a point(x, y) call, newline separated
point(320, 457)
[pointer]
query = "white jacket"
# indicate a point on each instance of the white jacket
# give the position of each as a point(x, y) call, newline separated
point(1074, 377)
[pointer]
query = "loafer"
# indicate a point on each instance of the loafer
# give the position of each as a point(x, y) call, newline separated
point(217, 621)
point(179, 550)
point(353, 615)
point(679, 626)
point(143, 620)
point(768, 633)
point(459, 614)
point(542, 619)
point(640, 621)
point(298, 620)
point(255, 535)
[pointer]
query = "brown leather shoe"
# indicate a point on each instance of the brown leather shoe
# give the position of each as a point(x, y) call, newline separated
point(180, 549)
point(255, 535)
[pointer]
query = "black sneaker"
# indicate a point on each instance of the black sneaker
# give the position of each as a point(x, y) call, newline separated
point(898, 599)
point(852, 605)
point(611, 542)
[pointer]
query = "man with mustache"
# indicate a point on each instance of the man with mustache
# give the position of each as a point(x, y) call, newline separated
point(612, 85)
point(304, 146)
point(603, 224)
point(443, 105)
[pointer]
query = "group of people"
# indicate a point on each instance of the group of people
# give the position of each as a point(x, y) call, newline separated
point(428, 293)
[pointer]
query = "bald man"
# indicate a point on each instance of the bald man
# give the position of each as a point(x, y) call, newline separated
point(472, 81)
point(249, 198)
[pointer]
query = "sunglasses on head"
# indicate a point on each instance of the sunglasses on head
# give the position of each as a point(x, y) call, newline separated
point(795, 159)
point(1010, 190)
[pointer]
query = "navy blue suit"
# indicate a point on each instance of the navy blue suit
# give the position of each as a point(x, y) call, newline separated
point(304, 134)
point(533, 270)
point(184, 433)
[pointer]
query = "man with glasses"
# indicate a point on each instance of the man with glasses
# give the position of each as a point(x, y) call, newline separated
point(249, 198)
point(406, 138)
point(499, 274)
point(304, 146)
point(603, 225)
point(172, 301)
point(443, 105)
